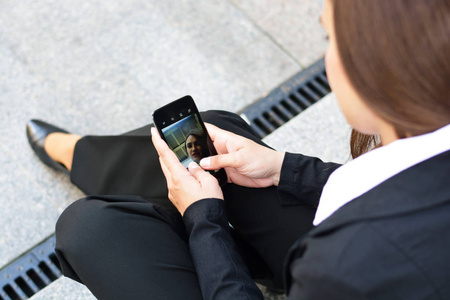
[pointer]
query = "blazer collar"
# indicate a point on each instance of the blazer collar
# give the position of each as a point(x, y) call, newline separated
point(424, 185)
point(362, 174)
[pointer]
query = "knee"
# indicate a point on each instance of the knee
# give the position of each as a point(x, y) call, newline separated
point(231, 122)
point(222, 119)
point(92, 222)
point(77, 225)
point(70, 230)
point(68, 224)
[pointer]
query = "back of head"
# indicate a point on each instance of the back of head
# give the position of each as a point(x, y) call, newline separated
point(396, 55)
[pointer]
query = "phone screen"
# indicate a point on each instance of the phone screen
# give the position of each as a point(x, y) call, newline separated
point(187, 139)
point(179, 123)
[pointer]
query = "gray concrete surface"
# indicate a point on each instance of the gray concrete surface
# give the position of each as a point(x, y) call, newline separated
point(64, 289)
point(102, 67)
point(319, 131)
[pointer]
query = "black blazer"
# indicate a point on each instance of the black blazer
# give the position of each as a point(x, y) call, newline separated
point(391, 243)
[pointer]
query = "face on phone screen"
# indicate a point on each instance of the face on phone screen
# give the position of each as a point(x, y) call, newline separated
point(187, 139)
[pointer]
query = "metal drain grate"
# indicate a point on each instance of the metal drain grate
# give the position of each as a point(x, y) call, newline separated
point(30, 273)
point(288, 100)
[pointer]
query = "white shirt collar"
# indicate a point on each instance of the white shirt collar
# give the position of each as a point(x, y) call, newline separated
point(369, 170)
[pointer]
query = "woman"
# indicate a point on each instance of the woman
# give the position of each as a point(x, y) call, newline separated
point(382, 220)
point(196, 146)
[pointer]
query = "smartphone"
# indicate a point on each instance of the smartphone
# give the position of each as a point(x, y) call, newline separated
point(181, 127)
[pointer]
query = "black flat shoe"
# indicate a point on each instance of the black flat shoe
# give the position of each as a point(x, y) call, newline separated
point(37, 131)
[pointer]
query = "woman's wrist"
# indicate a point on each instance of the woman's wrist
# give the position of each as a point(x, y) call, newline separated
point(278, 163)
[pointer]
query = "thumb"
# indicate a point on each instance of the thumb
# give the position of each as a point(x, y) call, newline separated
point(217, 162)
point(197, 172)
point(209, 186)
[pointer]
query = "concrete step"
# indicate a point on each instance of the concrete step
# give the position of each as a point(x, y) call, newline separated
point(64, 289)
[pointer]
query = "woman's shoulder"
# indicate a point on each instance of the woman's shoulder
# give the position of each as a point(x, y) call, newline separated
point(375, 255)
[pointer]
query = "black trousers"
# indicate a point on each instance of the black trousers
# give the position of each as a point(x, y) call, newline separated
point(127, 241)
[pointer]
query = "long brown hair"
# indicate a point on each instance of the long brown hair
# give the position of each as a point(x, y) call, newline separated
point(396, 55)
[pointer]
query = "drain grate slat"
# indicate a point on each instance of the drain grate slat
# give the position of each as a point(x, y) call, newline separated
point(36, 279)
point(259, 128)
point(288, 100)
point(12, 293)
point(30, 273)
point(273, 118)
point(290, 105)
point(314, 91)
point(47, 271)
point(23, 286)
point(282, 113)
point(300, 100)
point(265, 124)
point(311, 95)
point(53, 269)
point(323, 81)
point(321, 90)
point(25, 282)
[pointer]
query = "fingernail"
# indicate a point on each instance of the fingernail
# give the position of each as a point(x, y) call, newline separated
point(193, 165)
point(205, 162)
point(152, 130)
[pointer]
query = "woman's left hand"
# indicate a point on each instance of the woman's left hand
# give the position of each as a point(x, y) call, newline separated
point(185, 186)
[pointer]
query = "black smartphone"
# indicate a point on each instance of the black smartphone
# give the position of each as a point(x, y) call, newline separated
point(180, 125)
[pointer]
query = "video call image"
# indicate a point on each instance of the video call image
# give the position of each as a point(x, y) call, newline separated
point(187, 139)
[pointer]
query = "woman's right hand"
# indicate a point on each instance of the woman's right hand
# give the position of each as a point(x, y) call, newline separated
point(245, 162)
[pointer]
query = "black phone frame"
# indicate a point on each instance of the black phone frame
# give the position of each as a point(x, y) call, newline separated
point(176, 111)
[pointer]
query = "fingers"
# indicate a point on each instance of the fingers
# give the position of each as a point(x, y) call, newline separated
point(184, 187)
point(220, 161)
point(166, 155)
point(198, 172)
point(212, 130)
point(208, 183)
point(158, 142)
point(166, 171)
point(215, 132)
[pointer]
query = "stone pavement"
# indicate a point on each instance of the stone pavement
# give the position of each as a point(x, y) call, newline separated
point(102, 67)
